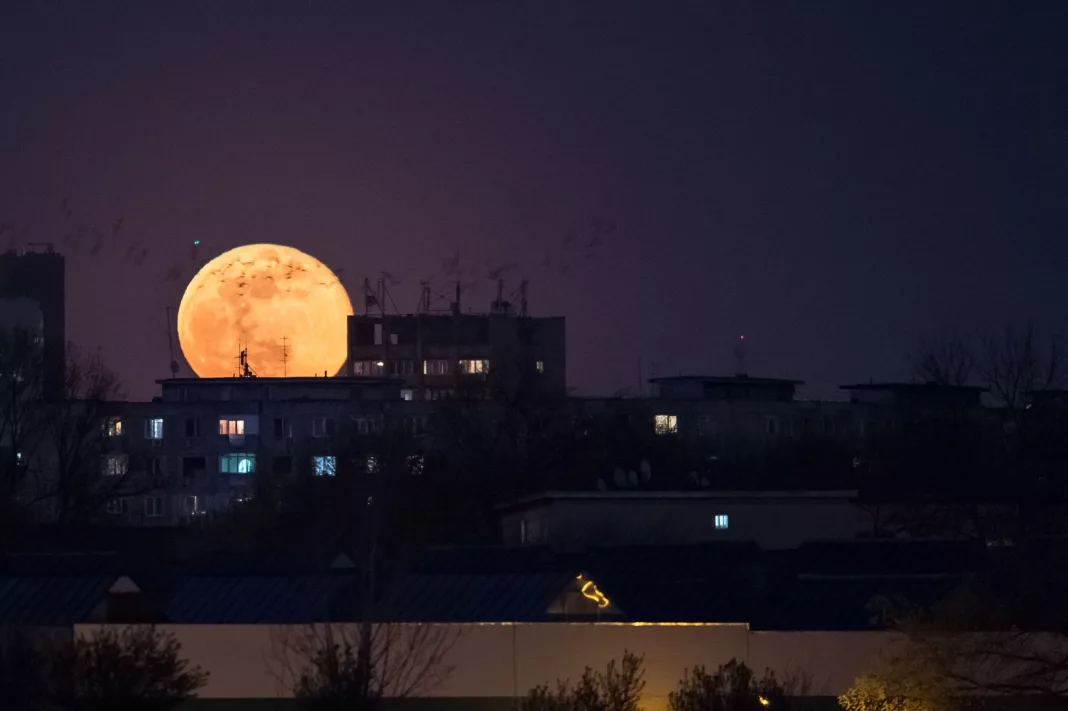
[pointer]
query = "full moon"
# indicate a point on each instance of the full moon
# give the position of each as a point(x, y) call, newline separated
point(263, 298)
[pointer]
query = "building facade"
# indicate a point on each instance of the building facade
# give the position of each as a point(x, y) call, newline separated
point(456, 355)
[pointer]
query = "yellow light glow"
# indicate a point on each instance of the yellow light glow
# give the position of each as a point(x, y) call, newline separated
point(252, 297)
point(763, 701)
point(590, 592)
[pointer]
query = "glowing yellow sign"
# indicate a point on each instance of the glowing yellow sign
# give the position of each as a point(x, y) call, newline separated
point(590, 592)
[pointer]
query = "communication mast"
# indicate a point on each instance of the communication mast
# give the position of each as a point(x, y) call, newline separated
point(285, 358)
point(740, 355)
point(170, 344)
point(244, 369)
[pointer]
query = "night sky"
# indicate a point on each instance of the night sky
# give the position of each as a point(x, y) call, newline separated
point(833, 179)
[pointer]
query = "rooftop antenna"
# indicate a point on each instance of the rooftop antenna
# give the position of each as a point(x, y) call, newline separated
point(523, 298)
point(170, 344)
point(740, 354)
point(244, 369)
point(285, 358)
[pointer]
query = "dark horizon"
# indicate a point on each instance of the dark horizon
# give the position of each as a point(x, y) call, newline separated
point(836, 181)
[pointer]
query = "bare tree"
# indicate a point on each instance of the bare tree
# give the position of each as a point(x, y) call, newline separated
point(614, 689)
point(75, 482)
point(338, 665)
point(1016, 365)
point(21, 406)
point(946, 361)
point(734, 687)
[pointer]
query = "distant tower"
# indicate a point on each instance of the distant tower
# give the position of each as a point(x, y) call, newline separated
point(33, 296)
point(740, 355)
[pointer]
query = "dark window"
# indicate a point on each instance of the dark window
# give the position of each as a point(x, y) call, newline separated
point(281, 428)
point(283, 466)
point(193, 466)
point(192, 427)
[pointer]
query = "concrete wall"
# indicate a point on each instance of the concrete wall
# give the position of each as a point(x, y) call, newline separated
point(505, 660)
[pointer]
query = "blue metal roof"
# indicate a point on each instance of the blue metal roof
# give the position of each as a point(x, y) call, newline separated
point(475, 597)
point(262, 599)
point(51, 600)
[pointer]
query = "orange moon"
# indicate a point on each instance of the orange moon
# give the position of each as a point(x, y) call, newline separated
point(254, 296)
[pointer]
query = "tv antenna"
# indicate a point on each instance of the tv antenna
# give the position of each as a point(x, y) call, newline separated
point(244, 369)
point(285, 358)
point(740, 354)
point(170, 344)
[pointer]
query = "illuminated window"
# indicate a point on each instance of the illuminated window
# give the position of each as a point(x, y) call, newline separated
point(539, 366)
point(667, 424)
point(153, 506)
point(116, 507)
point(721, 521)
point(154, 428)
point(322, 427)
point(368, 367)
point(231, 427)
point(116, 464)
point(113, 427)
point(324, 466)
point(437, 366)
point(237, 464)
point(474, 367)
point(407, 394)
point(372, 464)
point(193, 506)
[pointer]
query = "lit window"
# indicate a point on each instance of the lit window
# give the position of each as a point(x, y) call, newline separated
point(237, 464)
point(667, 424)
point(437, 366)
point(322, 427)
point(231, 427)
point(116, 464)
point(721, 521)
point(154, 428)
point(368, 367)
point(153, 506)
point(474, 367)
point(324, 466)
point(539, 366)
point(407, 395)
point(116, 507)
point(193, 506)
point(372, 464)
point(113, 427)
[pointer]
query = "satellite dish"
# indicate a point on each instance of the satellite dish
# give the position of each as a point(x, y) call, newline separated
point(619, 477)
point(646, 470)
point(632, 478)
point(601, 486)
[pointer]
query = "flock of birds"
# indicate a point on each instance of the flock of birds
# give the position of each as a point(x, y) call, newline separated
point(579, 246)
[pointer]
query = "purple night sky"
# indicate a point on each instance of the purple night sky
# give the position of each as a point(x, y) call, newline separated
point(834, 179)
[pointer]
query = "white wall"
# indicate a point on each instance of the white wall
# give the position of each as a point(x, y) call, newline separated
point(502, 660)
